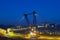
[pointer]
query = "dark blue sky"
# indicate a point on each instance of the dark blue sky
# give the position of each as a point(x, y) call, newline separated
point(11, 11)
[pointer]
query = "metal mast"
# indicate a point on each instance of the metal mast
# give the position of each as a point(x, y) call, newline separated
point(34, 18)
point(26, 19)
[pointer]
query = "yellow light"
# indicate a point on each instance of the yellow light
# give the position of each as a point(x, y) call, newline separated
point(9, 29)
point(2, 31)
point(11, 34)
point(32, 34)
point(27, 36)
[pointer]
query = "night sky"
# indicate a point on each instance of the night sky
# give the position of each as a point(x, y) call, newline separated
point(11, 11)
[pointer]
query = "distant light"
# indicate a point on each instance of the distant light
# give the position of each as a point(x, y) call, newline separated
point(32, 34)
point(8, 30)
point(40, 26)
point(52, 26)
point(40, 32)
point(32, 29)
point(50, 33)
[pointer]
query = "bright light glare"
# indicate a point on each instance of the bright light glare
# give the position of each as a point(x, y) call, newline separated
point(31, 33)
